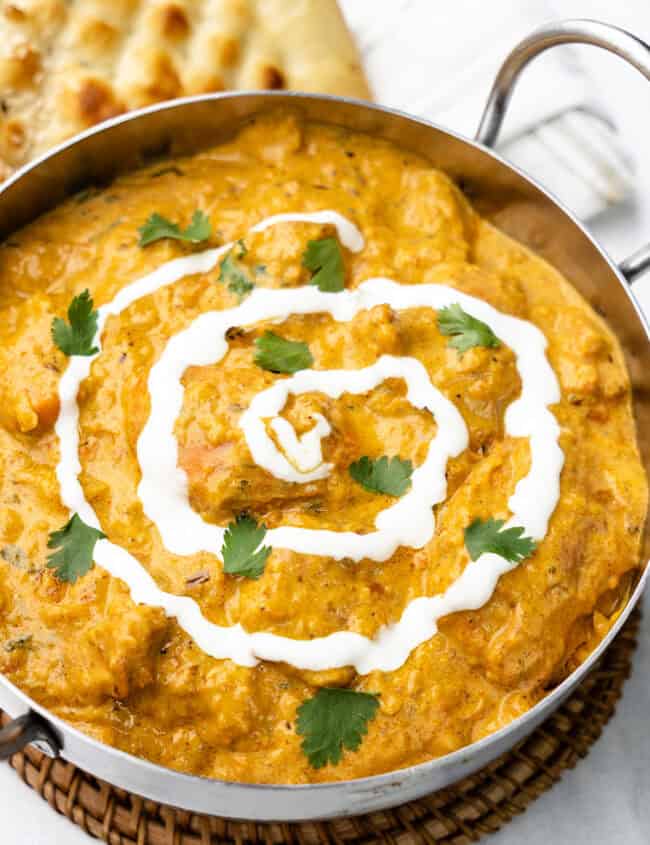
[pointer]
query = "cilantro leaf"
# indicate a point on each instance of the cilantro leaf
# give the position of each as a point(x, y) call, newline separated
point(77, 336)
point(325, 260)
point(158, 227)
point(75, 543)
point(466, 331)
point(384, 475)
point(278, 355)
point(490, 536)
point(231, 274)
point(332, 720)
point(240, 551)
point(199, 229)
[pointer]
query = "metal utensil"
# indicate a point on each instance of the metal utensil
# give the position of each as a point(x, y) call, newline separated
point(500, 192)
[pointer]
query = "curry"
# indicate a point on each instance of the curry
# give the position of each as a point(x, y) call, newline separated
point(253, 354)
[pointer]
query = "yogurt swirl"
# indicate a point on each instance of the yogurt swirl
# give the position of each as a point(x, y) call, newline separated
point(163, 489)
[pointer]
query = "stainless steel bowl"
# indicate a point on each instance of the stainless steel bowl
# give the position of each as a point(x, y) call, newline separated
point(517, 205)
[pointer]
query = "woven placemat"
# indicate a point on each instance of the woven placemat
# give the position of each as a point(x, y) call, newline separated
point(459, 815)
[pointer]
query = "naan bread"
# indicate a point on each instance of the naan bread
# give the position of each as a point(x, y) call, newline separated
point(68, 64)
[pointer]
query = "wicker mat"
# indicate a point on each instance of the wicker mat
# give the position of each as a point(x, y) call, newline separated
point(462, 814)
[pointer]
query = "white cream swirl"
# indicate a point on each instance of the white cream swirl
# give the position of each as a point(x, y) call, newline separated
point(410, 521)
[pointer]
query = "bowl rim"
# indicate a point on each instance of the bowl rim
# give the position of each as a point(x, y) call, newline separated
point(550, 701)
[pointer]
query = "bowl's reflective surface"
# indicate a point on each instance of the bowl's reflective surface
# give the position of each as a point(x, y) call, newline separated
point(504, 196)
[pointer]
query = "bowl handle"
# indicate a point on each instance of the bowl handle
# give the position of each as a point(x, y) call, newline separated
point(25, 730)
point(617, 41)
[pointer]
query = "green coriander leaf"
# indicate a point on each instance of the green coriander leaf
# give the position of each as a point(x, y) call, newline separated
point(241, 552)
point(230, 273)
point(278, 355)
point(490, 536)
point(242, 249)
point(325, 260)
point(158, 227)
point(76, 337)
point(384, 475)
point(466, 331)
point(333, 720)
point(199, 229)
point(75, 543)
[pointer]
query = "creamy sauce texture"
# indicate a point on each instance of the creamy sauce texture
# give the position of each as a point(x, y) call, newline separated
point(410, 521)
point(173, 431)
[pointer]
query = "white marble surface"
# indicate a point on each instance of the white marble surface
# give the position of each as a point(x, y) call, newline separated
point(605, 800)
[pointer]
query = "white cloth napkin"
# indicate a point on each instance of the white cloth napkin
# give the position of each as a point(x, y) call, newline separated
point(439, 60)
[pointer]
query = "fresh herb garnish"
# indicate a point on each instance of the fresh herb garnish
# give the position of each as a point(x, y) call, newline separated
point(75, 543)
point(384, 475)
point(325, 260)
point(158, 227)
point(76, 337)
point(490, 536)
point(230, 273)
point(466, 331)
point(279, 355)
point(241, 550)
point(333, 720)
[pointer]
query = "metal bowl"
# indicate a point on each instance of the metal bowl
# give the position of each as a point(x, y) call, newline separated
point(500, 192)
